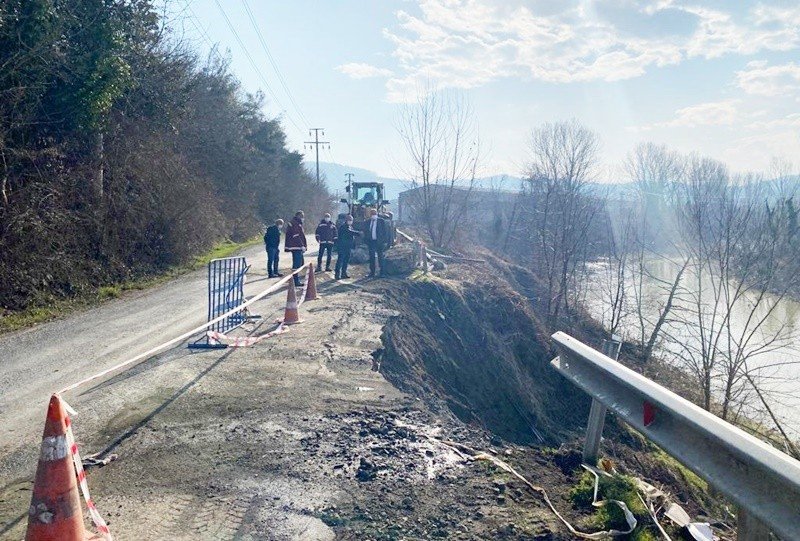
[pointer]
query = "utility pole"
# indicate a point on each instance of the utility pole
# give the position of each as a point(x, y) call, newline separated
point(316, 142)
point(349, 182)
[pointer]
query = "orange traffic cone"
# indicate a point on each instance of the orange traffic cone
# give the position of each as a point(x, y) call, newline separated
point(291, 315)
point(311, 285)
point(55, 512)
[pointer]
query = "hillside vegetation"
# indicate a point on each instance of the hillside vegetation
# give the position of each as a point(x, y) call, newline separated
point(122, 153)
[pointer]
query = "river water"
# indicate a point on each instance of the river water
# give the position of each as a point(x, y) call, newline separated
point(777, 367)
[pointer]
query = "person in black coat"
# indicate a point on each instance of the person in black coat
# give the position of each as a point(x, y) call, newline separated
point(326, 237)
point(344, 244)
point(377, 236)
point(272, 242)
point(295, 243)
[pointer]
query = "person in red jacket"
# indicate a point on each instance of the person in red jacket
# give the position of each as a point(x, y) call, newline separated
point(295, 243)
point(326, 237)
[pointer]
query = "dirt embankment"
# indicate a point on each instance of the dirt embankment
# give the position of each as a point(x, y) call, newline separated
point(468, 342)
point(475, 345)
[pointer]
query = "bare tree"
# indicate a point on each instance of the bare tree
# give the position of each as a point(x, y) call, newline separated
point(440, 135)
point(560, 209)
point(738, 281)
point(656, 172)
point(620, 237)
point(713, 262)
point(783, 179)
point(663, 309)
point(655, 169)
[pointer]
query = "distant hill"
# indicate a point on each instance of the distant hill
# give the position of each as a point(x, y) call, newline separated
point(336, 181)
point(334, 176)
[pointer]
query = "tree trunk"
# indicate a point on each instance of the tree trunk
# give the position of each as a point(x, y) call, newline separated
point(98, 173)
point(648, 349)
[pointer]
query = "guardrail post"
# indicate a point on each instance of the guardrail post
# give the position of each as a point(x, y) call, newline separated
point(597, 414)
point(594, 431)
point(749, 528)
point(759, 478)
point(424, 259)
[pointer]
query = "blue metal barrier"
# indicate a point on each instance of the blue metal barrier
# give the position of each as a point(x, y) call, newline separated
point(226, 278)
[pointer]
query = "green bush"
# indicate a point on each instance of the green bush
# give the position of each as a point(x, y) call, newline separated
point(618, 487)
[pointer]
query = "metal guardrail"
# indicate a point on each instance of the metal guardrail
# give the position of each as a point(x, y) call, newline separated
point(430, 254)
point(761, 480)
point(405, 236)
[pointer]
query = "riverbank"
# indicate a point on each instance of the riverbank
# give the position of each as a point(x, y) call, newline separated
point(55, 308)
point(753, 320)
point(471, 341)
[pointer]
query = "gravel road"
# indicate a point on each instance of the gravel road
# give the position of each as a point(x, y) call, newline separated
point(188, 425)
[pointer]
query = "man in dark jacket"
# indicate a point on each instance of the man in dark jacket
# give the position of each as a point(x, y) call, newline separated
point(376, 233)
point(344, 244)
point(272, 241)
point(326, 237)
point(295, 243)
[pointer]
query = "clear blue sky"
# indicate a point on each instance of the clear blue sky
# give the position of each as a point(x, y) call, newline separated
point(720, 77)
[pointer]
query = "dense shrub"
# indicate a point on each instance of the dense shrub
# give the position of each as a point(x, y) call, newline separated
point(122, 153)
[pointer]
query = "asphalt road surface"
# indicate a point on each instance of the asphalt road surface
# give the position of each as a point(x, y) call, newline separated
point(43, 359)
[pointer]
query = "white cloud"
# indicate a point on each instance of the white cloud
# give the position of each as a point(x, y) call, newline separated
point(788, 121)
point(750, 137)
point(767, 29)
point(718, 113)
point(356, 70)
point(756, 151)
point(764, 80)
point(468, 43)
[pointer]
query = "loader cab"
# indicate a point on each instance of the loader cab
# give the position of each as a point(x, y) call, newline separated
point(363, 196)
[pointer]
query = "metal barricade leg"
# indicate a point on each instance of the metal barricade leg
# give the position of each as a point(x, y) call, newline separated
point(597, 415)
point(749, 528)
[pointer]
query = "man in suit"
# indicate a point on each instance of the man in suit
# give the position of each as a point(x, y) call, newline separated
point(376, 234)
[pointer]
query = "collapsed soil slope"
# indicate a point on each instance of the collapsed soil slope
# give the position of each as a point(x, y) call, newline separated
point(468, 341)
point(476, 345)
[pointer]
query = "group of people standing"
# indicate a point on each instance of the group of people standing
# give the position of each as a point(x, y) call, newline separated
point(328, 235)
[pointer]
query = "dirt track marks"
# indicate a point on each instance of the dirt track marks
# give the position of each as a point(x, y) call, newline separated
point(189, 517)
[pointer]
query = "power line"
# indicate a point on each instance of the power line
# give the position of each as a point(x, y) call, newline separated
point(334, 161)
point(255, 67)
point(316, 142)
point(202, 31)
point(272, 61)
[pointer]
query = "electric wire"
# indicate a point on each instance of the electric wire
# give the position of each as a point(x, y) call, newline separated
point(274, 64)
point(255, 66)
point(195, 20)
